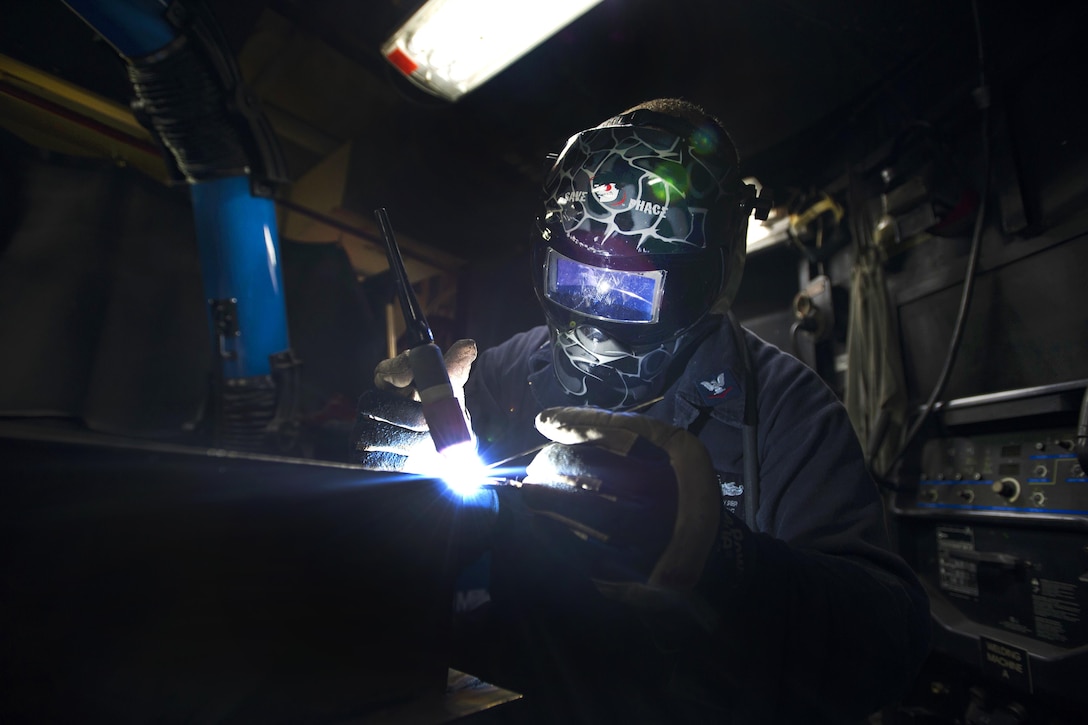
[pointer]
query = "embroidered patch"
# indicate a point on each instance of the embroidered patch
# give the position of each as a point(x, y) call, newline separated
point(717, 389)
point(732, 488)
point(732, 492)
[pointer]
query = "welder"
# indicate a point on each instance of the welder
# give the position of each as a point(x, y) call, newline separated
point(699, 539)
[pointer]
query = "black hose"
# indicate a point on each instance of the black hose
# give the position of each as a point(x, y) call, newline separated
point(961, 320)
point(983, 101)
point(179, 96)
point(1082, 433)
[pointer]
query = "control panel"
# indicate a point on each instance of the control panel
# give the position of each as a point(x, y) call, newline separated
point(1033, 472)
point(996, 527)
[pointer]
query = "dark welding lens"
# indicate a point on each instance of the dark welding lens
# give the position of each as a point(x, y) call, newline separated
point(605, 294)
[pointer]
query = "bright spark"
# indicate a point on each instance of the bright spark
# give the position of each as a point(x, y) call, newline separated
point(457, 466)
point(464, 472)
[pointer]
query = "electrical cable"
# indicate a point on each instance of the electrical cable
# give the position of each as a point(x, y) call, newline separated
point(1081, 446)
point(866, 253)
point(981, 94)
point(750, 428)
point(795, 343)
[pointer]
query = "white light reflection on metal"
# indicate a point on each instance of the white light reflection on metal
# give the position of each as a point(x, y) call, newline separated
point(273, 262)
point(449, 47)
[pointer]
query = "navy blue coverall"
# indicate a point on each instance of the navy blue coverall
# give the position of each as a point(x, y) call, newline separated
point(813, 618)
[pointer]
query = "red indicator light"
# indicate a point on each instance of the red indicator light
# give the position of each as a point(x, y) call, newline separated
point(400, 59)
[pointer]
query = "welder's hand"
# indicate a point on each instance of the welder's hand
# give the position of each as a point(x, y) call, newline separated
point(389, 428)
point(391, 433)
point(641, 494)
point(395, 374)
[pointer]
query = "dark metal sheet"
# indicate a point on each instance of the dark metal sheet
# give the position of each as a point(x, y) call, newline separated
point(147, 582)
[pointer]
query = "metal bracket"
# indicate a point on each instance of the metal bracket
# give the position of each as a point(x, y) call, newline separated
point(760, 202)
point(225, 323)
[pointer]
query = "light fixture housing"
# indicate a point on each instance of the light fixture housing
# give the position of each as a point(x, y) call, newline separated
point(449, 47)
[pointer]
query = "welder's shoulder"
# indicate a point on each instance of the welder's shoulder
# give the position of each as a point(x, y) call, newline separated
point(782, 375)
point(514, 352)
point(794, 399)
point(500, 373)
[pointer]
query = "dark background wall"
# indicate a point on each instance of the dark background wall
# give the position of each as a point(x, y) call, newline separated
point(101, 317)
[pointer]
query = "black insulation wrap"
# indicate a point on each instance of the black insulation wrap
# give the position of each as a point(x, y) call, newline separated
point(179, 98)
point(247, 407)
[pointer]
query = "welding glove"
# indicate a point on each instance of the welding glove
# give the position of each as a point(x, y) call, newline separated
point(396, 373)
point(390, 431)
point(640, 494)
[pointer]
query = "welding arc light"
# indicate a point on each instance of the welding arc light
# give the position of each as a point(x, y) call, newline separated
point(458, 466)
point(464, 473)
point(449, 47)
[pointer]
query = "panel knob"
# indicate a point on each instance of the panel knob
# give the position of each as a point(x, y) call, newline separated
point(1008, 488)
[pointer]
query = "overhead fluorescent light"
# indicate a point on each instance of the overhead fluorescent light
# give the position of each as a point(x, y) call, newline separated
point(449, 47)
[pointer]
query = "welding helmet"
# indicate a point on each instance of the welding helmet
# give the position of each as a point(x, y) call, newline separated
point(641, 236)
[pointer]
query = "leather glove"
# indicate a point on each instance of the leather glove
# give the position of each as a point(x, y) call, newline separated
point(641, 494)
point(390, 431)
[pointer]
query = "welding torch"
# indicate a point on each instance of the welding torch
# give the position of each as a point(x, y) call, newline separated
point(441, 409)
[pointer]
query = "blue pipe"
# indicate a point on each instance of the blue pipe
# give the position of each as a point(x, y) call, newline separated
point(134, 28)
point(236, 231)
point(239, 259)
